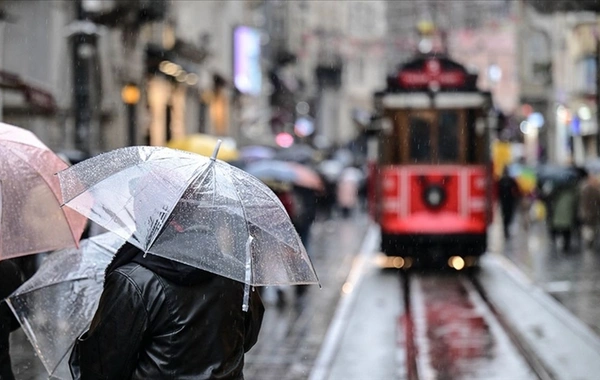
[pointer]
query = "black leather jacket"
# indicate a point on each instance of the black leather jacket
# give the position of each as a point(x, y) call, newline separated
point(11, 277)
point(158, 319)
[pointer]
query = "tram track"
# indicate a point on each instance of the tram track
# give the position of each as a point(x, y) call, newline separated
point(524, 348)
point(452, 330)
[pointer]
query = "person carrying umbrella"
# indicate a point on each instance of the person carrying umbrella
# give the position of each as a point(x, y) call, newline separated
point(31, 220)
point(589, 207)
point(179, 300)
point(11, 277)
point(158, 318)
point(508, 194)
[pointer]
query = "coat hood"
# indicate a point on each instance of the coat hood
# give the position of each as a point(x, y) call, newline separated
point(171, 270)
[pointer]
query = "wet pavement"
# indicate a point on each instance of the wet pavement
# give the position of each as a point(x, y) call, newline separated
point(292, 334)
point(572, 277)
point(26, 365)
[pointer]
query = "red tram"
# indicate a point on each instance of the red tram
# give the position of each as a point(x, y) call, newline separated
point(431, 174)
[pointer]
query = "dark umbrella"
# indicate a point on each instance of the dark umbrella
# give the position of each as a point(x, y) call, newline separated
point(557, 175)
point(301, 153)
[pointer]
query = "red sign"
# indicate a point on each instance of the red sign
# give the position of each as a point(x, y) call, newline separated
point(432, 74)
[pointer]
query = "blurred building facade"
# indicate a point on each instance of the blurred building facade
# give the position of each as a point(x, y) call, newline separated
point(331, 55)
point(479, 34)
point(559, 75)
point(95, 75)
point(34, 50)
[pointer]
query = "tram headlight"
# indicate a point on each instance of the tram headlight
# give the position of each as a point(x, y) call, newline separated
point(456, 262)
point(434, 196)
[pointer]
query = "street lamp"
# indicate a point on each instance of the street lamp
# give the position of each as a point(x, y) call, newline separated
point(83, 34)
point(130, 94)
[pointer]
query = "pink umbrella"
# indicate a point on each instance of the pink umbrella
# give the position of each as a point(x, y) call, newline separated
point(32, 220)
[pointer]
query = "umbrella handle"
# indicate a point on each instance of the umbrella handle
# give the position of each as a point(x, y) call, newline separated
point(246, 301)
point(216, 151)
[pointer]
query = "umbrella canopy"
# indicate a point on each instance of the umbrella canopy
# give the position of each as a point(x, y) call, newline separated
point(557, 175)
point(302, 153)
point(204, 144)
point(525, 177)
point(593, 166)
point(282, 171)
point(58, 303)
point(252, 153)
point(32, 220)
point(192, 209)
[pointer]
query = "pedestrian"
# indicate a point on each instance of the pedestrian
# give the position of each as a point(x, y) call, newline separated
point(589, 208)
point(563, 217)
point(304, 212)
point(508, 194)
point(325, 200)
point(283, 191)
point(347, 190)
point(11, 277)
point(160, 319)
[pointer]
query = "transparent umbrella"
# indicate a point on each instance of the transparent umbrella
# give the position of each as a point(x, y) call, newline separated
point(58, 303)
point(32, 220)
point(192, 209)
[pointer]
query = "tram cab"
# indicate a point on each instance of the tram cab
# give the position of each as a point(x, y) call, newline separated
point(430, 180)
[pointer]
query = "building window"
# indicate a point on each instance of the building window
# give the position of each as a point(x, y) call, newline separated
point(585, 76)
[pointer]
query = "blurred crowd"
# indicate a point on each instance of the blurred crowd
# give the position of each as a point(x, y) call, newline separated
point(566, 198)
point(312, 184)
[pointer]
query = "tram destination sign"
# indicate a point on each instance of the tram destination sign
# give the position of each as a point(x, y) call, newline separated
point(432, 74)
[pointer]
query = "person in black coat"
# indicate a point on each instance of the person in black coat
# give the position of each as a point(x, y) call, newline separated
point(160, 319)
point(11, 277)
point(304, 213)
point(509, 195)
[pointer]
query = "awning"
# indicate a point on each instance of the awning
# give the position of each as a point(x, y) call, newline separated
point(34, 96)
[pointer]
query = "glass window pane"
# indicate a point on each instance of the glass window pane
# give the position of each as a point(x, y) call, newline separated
point(448, 136)
point(419, 140)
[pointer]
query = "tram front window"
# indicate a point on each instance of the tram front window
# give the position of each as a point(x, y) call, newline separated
point(448, 141)
point(420, 140)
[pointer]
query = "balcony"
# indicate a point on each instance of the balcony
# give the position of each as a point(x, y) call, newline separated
point(113, 13)
point(550, 6)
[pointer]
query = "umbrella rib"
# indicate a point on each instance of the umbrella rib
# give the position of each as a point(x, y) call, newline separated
point(271, 195)
point(194, 178)
point(43, 286)
point(243, 210)
point(49, 186)
point(67, 352)
point(99, 157)
point(106, 178)
point(275, 237)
